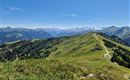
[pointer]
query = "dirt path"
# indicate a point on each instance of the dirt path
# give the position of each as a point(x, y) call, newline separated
point(106, 56)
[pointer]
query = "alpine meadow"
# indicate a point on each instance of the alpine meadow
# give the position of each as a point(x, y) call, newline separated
point(64, 40)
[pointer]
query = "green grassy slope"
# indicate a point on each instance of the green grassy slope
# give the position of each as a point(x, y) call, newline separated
point(92, 60)
point(75, 58)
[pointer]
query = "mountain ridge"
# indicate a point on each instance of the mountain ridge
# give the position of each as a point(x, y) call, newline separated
point(13, 34)
point(83, 53)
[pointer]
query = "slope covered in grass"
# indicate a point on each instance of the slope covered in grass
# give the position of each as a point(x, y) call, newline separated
point(68, 58)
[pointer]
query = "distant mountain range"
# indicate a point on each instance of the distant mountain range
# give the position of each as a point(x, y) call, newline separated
point(13, 34)
point(57, 32)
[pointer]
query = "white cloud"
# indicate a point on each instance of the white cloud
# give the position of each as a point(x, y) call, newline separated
point(70, 15)
point(14, 8)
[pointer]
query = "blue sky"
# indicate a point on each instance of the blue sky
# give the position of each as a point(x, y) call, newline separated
point(64, 13)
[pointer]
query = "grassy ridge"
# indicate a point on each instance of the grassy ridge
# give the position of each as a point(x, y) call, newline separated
point(74, 59)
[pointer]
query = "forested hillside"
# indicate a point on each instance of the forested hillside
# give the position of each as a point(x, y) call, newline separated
point(66, 58)
point(119, 54)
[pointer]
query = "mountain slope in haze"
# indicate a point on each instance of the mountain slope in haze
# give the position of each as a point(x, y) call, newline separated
point(126, 38)
point(118, 31)
point(123, 32)
point(83, 57)
point(13, 34)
